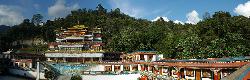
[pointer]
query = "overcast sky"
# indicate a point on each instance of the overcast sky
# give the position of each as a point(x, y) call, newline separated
point(180, 11)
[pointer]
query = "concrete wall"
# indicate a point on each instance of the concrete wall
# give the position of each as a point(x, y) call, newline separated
point(111, 77)
point(96, 68)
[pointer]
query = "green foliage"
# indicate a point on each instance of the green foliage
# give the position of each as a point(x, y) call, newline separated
point(49, 75)
point(37, 19)
point(218, 35)
point(76, 77)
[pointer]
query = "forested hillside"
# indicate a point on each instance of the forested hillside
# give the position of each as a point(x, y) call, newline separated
point(217, 35)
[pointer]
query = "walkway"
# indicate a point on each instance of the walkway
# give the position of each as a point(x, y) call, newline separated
point(239, 74)
point(11, 77)
point(63, 77)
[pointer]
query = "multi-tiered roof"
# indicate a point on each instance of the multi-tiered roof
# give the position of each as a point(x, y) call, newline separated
point(78, 38)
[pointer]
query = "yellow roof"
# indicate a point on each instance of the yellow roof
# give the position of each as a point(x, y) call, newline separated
point(79, 26)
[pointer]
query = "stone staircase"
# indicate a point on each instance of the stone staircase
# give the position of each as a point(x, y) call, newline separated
point(63, 77)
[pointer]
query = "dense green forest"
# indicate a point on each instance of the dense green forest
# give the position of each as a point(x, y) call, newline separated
point(217, 35)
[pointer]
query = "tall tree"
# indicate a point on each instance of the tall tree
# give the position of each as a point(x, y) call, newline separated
point(37, 19)
point(206, 16)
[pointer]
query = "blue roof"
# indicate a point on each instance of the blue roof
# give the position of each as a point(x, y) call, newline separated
point(230, 59)
point(233, 59)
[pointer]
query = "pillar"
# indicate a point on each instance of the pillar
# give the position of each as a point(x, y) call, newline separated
point(48, 59)
point(185, 72)
point(145, 67)
point(138, 57)
point(121, 68)
point(18, 63)
point(91, 59)
point(24, 65)
point(130, 68)
point(77, 60)
point(83, 60)
point(161, 70)
point(154, 58)
point(139, 67)
point(148, 67)
point(142, 67)
point(145, 57)
point(215, 72)
point(135, 57)
point(113, 67)
point(30, 66)
point(37, 72)
point(56, 59)
point(14, 63)
point(221, 75)
point(64, 59)
point(100, 59)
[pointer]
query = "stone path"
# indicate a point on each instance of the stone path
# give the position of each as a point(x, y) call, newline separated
point(64, 78)
point(10, 77)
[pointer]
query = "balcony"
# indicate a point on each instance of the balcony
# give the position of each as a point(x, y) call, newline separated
point(74, 45)
point(85, 51)
point(73, 37)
